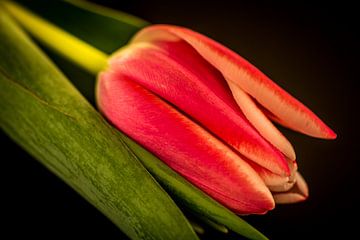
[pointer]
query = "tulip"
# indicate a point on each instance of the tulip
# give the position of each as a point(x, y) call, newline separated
point(206, 112)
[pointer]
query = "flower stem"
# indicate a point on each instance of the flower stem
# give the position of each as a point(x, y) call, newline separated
point(71, 47)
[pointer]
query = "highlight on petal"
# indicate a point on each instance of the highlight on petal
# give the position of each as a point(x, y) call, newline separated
point(298, 193)
point(269, 178)
point(291, 112)
point(293, 169)
point(282, 188)
point(291, 179)
point(175, 72)
point(275, 182)
point(190, 150)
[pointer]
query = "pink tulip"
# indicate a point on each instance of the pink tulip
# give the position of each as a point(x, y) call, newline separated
point(204, 111)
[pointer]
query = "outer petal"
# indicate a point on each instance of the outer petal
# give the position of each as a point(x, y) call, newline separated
point(234, 68)
point(178, 74)
point(182, 144)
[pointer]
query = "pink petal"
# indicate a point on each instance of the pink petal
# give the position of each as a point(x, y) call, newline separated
point(261, 122)
point(269, 178)
point(178, 74)
point(298, 193)
point(237, 70)
point(182, 144)
point(293, 169)
point(282, 188)
point(274, 182)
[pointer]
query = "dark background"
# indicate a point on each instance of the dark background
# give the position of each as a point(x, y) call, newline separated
point(310, 49)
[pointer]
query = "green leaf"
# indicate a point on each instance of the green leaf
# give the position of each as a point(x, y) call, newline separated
point(214, 225)
point(48, 117)
point(191, 197)
point(180, 189)
point(101, 27)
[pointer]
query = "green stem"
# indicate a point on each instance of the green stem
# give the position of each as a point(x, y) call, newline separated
point(72, 48)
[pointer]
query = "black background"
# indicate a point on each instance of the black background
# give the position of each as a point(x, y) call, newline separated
point(310, 49)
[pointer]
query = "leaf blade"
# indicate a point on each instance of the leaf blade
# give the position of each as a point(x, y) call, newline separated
point(44, 113)
point(190, 196)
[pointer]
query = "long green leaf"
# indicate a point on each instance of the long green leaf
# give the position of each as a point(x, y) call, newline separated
point(191, 197)
point(103, 28)
point(48, 117)
point(183, 192)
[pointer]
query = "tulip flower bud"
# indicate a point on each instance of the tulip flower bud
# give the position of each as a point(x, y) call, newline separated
point(205, 111)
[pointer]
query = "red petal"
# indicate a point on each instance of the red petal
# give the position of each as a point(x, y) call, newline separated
point(183, 145)
point(236, 69)
point(177, 73)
